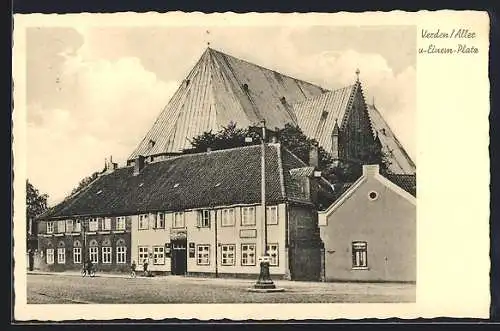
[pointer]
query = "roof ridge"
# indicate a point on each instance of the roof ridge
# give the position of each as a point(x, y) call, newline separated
point(216, 151)
point(266, 68)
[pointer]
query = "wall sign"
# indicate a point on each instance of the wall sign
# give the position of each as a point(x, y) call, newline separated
point(167, 249)
point(192, 250)
point(248, 233)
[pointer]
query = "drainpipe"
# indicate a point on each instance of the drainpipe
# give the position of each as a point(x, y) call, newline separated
point(216, 248)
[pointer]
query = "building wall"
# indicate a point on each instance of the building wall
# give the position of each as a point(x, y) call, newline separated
point(387, 225)
point(305, 243)
point(67, 240)
point(226, 235)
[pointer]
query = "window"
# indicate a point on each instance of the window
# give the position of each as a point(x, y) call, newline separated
point(61, 255)
point(359, 254)
point(272, 215)
point(178, 220)
point(248, 216)
point(247, 254)
point(61, 226)
point(227, 217)
point(69, 226)
point(77, 255)
point(203, 254)
point(94, 251)
point(77, 252)
point(93, 224)
point(121, 254)
point(50, 255)
point(204, 219)
point(106, 254)
point(78, 226)
point(160, 221)
point(272, 251)
point(143, 254)
point(158, 255)
point(228, 254)
point(106, 224)
point(50, 227)
point(120, 223)
point(143, 222)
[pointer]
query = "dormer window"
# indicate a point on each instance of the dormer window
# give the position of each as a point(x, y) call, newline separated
point(151, 143)
point(324, 115)
point(245, 87)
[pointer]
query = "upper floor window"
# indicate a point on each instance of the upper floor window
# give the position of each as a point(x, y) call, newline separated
point(106, 224)
point(178, 220)
point(78, 226)
point(120, 223)
point(69, 226)
point(227, 217)
point(143, 222)
point(272, 215)
point(204, 219)
point(50, 227)
point(160, 221)
point(93, 224)
point(248, 216)
point(61, 226)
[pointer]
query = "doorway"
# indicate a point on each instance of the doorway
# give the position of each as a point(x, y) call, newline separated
point(179, 257)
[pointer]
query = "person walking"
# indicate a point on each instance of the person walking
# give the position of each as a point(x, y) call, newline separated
point(145, 267)
point(132, 270)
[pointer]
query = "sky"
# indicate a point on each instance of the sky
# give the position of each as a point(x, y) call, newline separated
point(94, 92)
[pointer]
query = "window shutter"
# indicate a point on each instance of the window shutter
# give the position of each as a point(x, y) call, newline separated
point(199, 218)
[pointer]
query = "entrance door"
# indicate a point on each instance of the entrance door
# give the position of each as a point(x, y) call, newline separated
point(179, 257)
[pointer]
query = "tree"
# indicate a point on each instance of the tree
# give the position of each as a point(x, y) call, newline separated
point(291, 137)
point(36, 204)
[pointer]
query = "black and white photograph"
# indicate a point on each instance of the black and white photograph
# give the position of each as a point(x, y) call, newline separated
point(210, 163)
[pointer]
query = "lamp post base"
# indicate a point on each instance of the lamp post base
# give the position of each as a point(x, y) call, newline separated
point(265, 283)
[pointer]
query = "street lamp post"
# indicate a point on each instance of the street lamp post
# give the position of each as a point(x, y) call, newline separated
point(264, 282)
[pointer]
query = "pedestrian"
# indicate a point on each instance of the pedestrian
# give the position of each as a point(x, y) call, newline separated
point(145, 266)
point(132, 269)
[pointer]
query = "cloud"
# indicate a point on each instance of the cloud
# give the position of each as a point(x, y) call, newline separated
point(114, 104)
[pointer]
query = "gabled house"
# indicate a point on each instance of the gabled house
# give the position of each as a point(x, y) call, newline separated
point(195, 214)
point(369, 232)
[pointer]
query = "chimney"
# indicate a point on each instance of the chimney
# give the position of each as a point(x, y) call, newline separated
point(138, 164)
point(370, 170)
point(314, 156)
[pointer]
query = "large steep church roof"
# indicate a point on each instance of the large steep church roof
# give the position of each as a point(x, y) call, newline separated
point(221, 88)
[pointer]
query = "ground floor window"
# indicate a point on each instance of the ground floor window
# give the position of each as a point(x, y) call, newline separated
point(248, 254)
point(158, 255)
point(228, 254)
point(272, 251)
point(106, 254)
point(143, 254)
point(359, 254)
point(50, 255)
point(203, 254)
point(61, 255)
point(121, 254)
point(77, 255)
point(94, 254)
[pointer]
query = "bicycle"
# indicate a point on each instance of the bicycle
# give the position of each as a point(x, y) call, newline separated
point(90, 273)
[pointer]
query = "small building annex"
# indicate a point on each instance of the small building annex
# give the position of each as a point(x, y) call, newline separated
point(194, 214)
point(369, 232)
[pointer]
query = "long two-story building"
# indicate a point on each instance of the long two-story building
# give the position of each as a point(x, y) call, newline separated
point(195, 214)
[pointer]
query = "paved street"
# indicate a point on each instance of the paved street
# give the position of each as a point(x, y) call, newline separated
point(72, 288)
